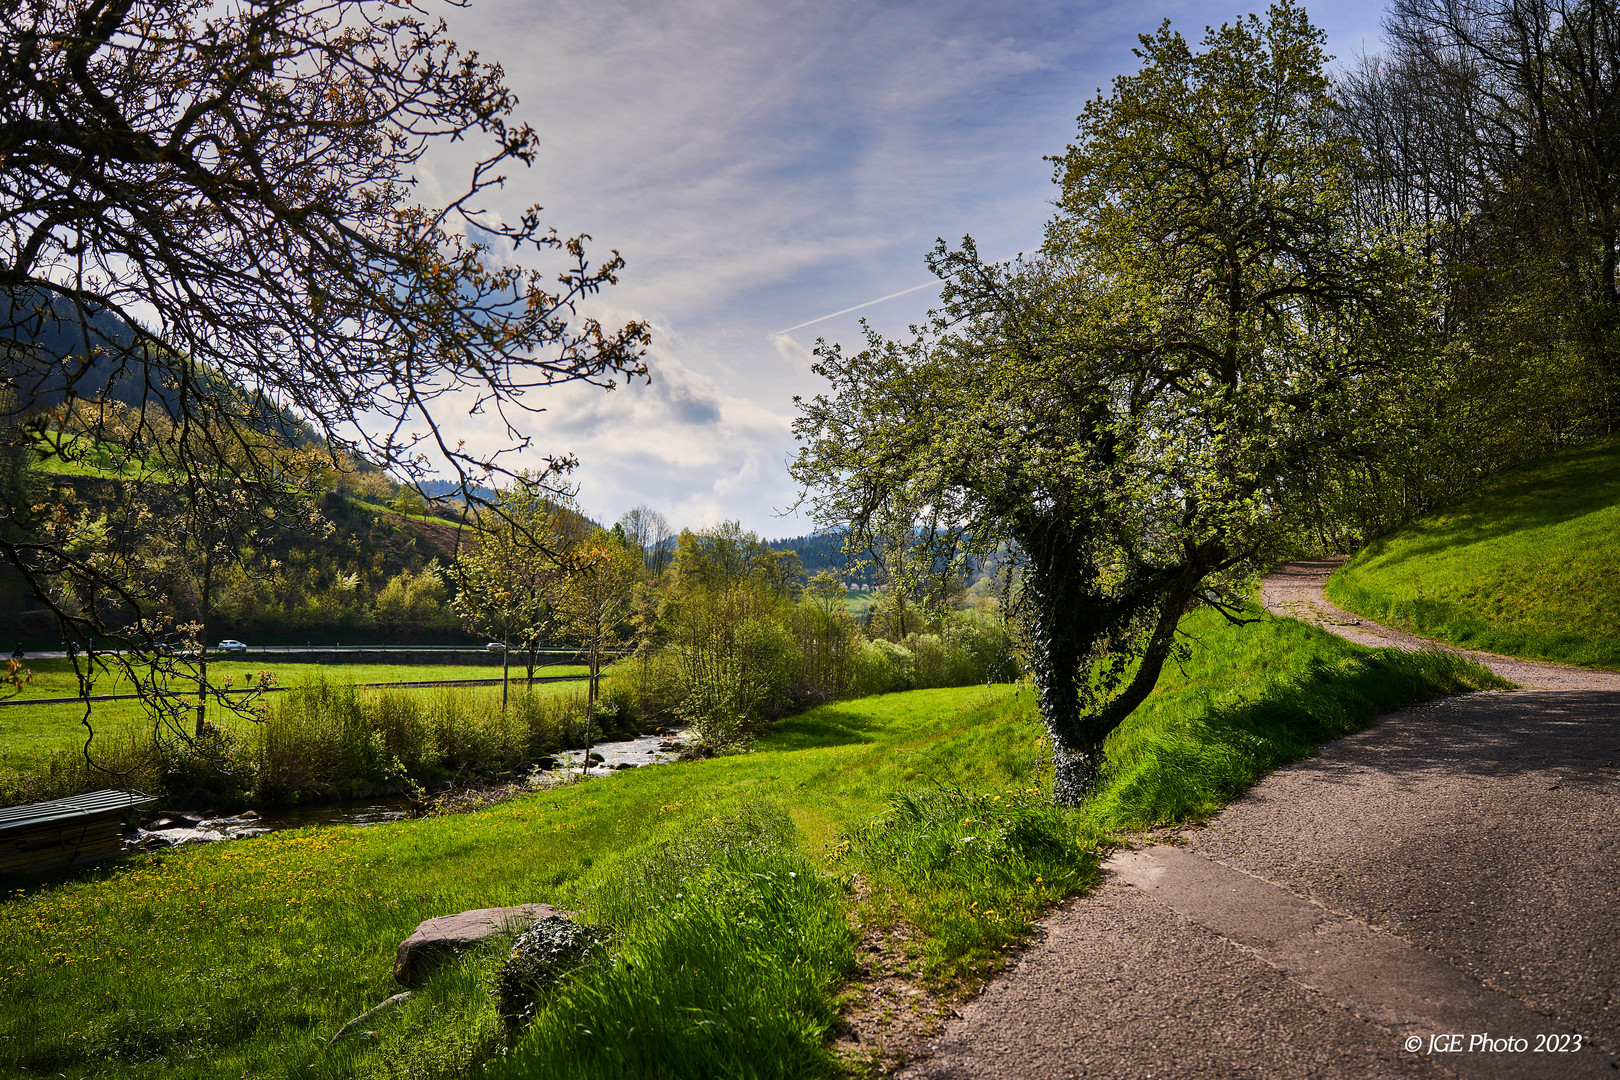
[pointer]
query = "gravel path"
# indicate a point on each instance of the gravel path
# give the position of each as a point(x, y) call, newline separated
point(1455, 870)
point(1296, 590)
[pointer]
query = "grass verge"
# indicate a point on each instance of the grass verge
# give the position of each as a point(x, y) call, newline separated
point(1528, 567)
point(974, 867)
point(244, 958)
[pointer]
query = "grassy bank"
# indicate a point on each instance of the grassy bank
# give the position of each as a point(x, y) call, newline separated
point(724, 883)
point(1528, 567)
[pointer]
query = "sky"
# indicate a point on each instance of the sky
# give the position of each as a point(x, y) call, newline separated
point(763, 164)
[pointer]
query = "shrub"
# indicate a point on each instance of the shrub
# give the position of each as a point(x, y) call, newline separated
point(216, 768)
point(937, 662)
point(542, 955)
point(737, 677)
point(650, 684)
point(615, 711)
point(550, 721)
point(886, 668)
point(320, 742)
point(829, 647)
point(470, 732)
point(326, 740)
point(399, 718)
point(990, 647)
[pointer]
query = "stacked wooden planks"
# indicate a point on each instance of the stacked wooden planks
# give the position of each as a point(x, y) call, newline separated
point(39, 838)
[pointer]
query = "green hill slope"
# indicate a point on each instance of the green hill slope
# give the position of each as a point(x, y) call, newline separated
point(1529, 567)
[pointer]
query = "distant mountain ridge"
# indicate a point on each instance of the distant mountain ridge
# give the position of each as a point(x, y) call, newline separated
point(435, 489)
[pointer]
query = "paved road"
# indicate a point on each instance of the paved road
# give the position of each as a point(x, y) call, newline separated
point(1455, 870)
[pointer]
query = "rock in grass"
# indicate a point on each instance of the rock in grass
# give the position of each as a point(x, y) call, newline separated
point(438, 939)
point(541, 955)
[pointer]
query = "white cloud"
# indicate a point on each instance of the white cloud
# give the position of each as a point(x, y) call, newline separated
point(792, 351)
point(762, 162)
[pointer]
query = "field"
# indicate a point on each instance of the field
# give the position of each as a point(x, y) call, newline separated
point(30, 734)
point(1528, 567)
point(55, 677)
point(244, 958)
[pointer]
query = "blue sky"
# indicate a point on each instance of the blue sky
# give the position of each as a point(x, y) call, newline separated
point(760, 164)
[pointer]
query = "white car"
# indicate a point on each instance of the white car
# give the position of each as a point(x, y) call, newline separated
point(230, 645)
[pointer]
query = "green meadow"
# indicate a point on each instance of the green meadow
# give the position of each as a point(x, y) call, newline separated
point(31, 734)
point(56, 677)
point(726, 886)
point(1529, 567)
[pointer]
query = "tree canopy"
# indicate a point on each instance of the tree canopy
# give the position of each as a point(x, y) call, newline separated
point(219, 206)
point(1490, 128)
point(1139, 407)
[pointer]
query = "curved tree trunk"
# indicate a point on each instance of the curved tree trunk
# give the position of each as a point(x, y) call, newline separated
point(1071, 619)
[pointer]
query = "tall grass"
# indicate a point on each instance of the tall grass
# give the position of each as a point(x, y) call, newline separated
point(328, 740)
point(972, 867)
point(727, 947)
point(1178, 761)
point(977, 868)
point(325, 740)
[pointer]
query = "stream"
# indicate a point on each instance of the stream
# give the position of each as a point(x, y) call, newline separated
point(178, 828)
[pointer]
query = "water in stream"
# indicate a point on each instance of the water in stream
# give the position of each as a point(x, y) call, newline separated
point(189, 829)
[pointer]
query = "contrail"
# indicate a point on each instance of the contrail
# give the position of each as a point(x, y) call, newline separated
point(857, 307)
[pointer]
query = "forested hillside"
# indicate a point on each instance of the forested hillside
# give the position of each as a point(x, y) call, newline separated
point(823, 552)
point(366, 573)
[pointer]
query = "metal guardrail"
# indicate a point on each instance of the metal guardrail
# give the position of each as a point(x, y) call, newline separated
point(403, 648)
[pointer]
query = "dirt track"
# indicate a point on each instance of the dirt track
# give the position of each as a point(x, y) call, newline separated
point(1296, 589)
point(1454, 870)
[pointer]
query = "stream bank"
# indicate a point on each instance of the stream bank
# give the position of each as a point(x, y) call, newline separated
point(177, 828)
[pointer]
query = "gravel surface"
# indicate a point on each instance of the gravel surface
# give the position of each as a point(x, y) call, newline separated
point(1472, 839)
